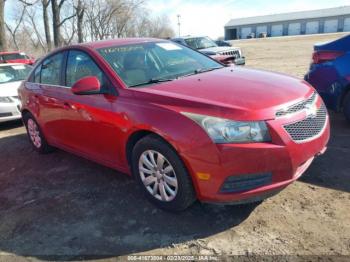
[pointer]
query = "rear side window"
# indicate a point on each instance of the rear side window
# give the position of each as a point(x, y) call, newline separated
point(51, 70)
point(80, 65)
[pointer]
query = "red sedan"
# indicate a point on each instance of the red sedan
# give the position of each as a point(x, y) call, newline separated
point(182, 124)
point(16, 57)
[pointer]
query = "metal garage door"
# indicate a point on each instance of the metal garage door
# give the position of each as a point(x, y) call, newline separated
point(347, 24)
point(245, 32)
point(312, 27)
point(294, 29)
point(261, 29)
point(331, 26)
point(277, 30)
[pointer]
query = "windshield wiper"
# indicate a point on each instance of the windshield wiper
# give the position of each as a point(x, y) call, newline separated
point(203, 70)
point(200, 70)
point(153, 81)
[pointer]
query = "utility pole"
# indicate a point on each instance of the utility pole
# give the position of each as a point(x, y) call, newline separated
point(179, 24)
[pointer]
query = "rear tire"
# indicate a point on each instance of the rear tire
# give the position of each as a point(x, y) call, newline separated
point(346, 107)
point(162, 175)
point(35, 135)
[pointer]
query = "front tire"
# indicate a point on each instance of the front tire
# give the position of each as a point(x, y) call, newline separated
point(162, 174)
point(35, 135)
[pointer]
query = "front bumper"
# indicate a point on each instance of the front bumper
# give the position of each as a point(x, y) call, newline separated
point(240, 61)
point(283, 158)
point(9, 112)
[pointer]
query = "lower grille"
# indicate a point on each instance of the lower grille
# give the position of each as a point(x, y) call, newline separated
point(5, 114)
point(308, 128)
point(234, 184)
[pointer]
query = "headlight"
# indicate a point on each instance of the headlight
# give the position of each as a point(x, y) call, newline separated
point(223, 131)
point(5, 99)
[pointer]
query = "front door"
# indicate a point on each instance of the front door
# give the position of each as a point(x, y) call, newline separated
point(90, 126)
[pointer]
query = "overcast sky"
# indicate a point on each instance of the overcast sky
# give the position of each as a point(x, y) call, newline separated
point(208, 17)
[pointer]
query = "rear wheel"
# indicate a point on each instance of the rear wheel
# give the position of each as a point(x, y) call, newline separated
point(35, 135)
point(161, 174)
point(346, 107)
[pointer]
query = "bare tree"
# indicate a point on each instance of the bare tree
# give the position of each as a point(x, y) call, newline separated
point(33, 32)
point(48, 23)
point(45, 5)
point(56, 7)
point(18, 23)
point(80, 12)
point(2, 26)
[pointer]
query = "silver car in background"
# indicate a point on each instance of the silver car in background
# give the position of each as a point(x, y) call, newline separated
point(11, 77)
point(205, 45)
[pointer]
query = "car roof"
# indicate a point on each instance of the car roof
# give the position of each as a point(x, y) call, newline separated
point(119, 42)
point(11, 52)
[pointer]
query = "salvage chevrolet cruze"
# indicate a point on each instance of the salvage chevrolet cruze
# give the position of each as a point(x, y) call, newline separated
point(182, 124)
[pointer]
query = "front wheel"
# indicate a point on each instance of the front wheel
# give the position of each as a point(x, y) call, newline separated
point(35, 135)
point(162, 174)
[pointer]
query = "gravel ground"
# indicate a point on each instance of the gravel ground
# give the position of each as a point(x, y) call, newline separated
point(60, 206)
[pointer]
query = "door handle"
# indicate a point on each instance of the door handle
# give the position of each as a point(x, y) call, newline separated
point(66, 105)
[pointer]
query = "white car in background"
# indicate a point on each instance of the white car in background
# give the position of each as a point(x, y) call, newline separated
point(11, 77)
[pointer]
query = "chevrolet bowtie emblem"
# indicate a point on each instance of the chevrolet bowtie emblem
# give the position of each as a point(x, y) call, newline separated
point(311, 110)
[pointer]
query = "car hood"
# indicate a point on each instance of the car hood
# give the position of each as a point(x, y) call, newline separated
point(218, 49)
point(233, 92)
point(10, 89)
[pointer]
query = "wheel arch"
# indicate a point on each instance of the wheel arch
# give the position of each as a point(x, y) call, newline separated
point(138, 135)
point(25, 111)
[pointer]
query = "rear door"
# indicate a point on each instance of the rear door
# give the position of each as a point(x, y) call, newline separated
point(47, 96)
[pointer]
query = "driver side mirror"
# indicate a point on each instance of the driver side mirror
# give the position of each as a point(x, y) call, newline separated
point(87, 86)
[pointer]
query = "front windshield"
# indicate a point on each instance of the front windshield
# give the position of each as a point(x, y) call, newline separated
point(149, 63)
point(12, 73)
point(200, 42)
point(14, 56)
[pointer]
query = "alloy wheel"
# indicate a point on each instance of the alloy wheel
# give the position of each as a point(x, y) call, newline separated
point(158, 175)
point(34, 133)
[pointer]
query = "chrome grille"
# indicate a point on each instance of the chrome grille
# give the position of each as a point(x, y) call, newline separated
point(298, 106)
point(309, 127)
point(234, 53)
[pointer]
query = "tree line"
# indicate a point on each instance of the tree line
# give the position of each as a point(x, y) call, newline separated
point(40, 25)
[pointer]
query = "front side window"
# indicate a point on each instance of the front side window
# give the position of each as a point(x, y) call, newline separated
point(153, 62)
point(51, 70)
point(80, 65)
point(13, 73)
point(200, 42)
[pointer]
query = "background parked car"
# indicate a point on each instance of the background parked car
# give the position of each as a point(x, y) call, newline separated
point(16, 57)
point(205, 45)
point(330, 74)
point(11, 77)
point(222, 43)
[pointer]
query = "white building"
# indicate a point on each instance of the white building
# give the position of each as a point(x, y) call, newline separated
point(297, 23)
